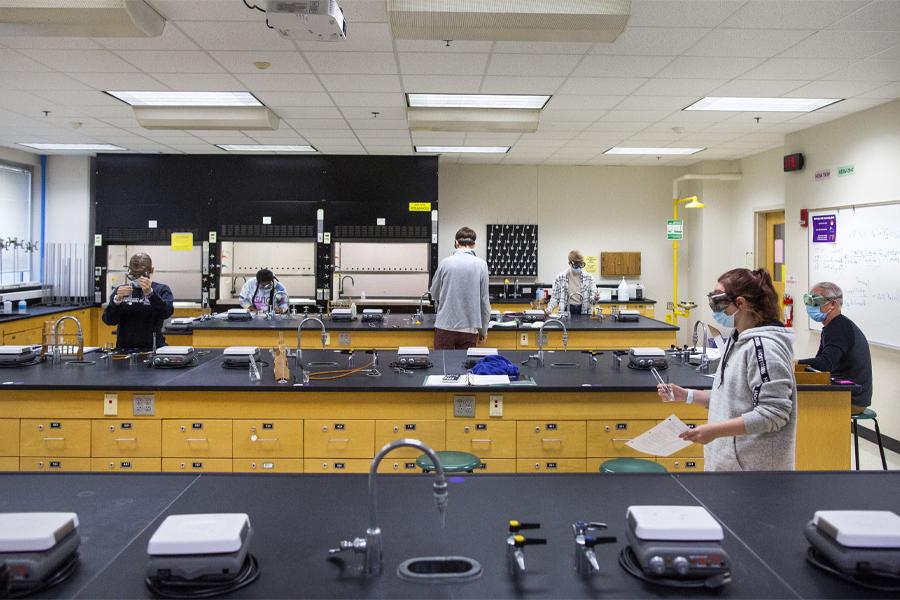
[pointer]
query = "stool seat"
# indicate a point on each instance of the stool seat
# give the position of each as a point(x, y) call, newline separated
point(867, 413)
point(452, 461)
point(631, 465)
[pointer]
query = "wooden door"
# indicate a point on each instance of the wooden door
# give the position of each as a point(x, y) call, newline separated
point(775, 251)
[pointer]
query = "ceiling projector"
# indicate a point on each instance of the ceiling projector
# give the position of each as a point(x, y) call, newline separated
point(307, 20)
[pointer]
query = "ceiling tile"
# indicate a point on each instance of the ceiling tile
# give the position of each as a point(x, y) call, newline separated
point(873, 69)
point(762, 43)
point(365, 112)
point(636, 116)
point(844, 44)
point(310, 112)
point(678, 87)
point(170, 62)
point(361, 83)
point(39, 81)
point(124, 81)
point(358, 11)
point(85, 61)
point(190, 82)
point(206, 10)
point(280, 82)
point(171, 39)
point(656, 41)
point(601, 86)
point(543, 48)
point(569, 102)
point(656, 102)
point(520, 85)
point(456, 46)
point(442, 64)
point(294, 99)
point(891, 90)
point(852, 105)
point(233, 35)
point(834, 89)
point(698, 67)
point(681, 13)
point(806, 14)
point(365, 63)
point(757, 87)
point(303, 125)
point(242, 62)
point(442, 84)
point(617, 66)
point(882, 15)
point(368, 99)
point(12, 61)
point(51, 43)
point(371, 130)
point(532, 64)
point(796, 68)
point(361, 37)
point(379, 124)
point(80, 98)
point(583, 116)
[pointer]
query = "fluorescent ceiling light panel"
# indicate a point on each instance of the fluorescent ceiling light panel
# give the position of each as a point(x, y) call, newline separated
point(762, 104)
point(475, 101)
point(265, 148)
point(463, 149)
point(654, 151)
point(83, 147)
point(187, 98)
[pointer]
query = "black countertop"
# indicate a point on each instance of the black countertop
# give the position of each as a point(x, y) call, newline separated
point(208, 374)
point(499, 299)
point(395, 322)
point(297, 518)
point(38, 310)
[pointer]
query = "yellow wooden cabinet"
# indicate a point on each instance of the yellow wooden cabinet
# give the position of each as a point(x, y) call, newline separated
point(62, 437)
point(268, 465)
point(126, 465)
point(432, 432)
point(607, 438)
point(551, 439)
point(332, 465)
point(399, 465)
point(196, 465)
point(682, 464)
point(484, 439)
point(23, 337)
point(9, 463)
point(349, 438)
point(543, 465)
point(271, 438)
point(135, 438)
point(9, 437)
point(497, 465)
point(197, 438)
point(54, 464)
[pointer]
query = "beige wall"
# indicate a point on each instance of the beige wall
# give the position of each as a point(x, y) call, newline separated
point(593, 209)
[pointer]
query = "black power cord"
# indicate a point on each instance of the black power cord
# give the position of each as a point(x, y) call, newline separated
point(205, 587)
point(262, 10)
point(871, 579)
point(20, 590)
point(629, 562)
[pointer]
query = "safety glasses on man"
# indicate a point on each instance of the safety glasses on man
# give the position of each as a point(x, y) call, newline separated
point(813, 299)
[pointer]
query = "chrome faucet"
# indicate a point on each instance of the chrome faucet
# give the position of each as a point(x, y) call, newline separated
point(420, 313)
point(58, 347)
point(341, 286)
point(704, 358)
point(586, 562)
point(371, 546)
point(565, 339)
point(300, 349)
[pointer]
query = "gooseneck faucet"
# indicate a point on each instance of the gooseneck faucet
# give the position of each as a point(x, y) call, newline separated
point(341, 286)
point(371, 545)
point(704, 358)
point(300, 349)
point(58, 347)
point(540, 340)
point(420, 314)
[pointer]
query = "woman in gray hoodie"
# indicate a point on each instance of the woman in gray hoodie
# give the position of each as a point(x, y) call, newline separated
point(752, 423)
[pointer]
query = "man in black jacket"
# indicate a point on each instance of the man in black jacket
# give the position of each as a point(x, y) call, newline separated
point(140, 307)
point(843, 349)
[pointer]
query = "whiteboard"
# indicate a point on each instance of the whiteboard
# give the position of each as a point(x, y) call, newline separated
point(864, 261)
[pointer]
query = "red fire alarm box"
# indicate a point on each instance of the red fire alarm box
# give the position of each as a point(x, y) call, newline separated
point(804, 217)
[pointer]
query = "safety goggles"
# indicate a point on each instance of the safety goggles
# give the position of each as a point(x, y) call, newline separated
point(266, 286)
point(719, 300)
point(135, 275)
point(811, 299)
point(577, 264)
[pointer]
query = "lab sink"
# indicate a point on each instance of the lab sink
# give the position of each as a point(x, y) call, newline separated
point(439, 569)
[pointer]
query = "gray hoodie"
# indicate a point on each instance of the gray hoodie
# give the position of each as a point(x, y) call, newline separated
point(755, 380)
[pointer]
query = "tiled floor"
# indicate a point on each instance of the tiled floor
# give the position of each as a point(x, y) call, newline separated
point(869, 458)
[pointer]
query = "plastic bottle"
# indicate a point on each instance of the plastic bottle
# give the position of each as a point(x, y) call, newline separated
point(639, 291)
point(7, 306)
point(623, 291)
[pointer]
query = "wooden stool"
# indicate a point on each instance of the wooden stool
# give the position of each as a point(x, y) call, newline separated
point(867, 413)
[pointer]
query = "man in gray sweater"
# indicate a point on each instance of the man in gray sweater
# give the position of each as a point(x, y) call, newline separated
point(460, 289)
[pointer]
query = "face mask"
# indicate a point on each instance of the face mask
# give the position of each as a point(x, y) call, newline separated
point(723, 319)
point(576, 270)
point(815, 313)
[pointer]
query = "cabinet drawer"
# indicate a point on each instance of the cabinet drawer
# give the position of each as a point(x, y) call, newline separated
point(43, 463)
point(324, 465)
point(430, 432)
point(682, 464)
point(126, 438)
point(497, 465)
point(196, 465)
point(200, 438)
point(538, 439)
point(492, 439)
point(268, 465)
point(607, 438)
point(393, 464)
point(9, 437)
point(339, 439)
point(63, 437)
point(23, 338)
point(9, 463)
point(562, 465)
point(126, 465)
point(694, 450)
point(268, 438)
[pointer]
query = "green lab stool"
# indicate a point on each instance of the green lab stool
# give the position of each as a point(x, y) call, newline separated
point(631, 465)
point(867, 414)
point(453, 462)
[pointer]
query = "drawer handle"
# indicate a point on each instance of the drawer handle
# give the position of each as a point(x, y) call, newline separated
point(197, 440)
point(622, 439)
point(120, 440)
point(54, 439)
point(255, 438)
point(477, 441)
point(343, 441)
point(551, 441)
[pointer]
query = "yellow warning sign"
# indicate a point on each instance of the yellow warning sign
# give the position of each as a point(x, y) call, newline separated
point(182, 241)
point(591, 264)
point(419, 206)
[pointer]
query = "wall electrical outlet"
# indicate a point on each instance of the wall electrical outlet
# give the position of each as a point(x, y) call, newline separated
point(496, 406)
point(110, 405)
point(143, 405)
point(523, 339)
point(464, 406)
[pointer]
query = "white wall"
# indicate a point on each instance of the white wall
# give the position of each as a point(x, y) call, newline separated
point(592, 209)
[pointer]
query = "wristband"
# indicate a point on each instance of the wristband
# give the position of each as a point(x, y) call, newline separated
point(690, 397)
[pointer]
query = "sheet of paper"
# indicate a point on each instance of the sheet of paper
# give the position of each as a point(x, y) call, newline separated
point(488, 379)
point(663, 439)
point(438, 380)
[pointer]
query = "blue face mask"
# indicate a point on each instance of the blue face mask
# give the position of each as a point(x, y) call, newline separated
point(723, 319)
point(576, 270)
point(815, 313)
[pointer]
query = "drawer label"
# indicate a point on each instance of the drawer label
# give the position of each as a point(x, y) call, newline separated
point(338, 465)
point(268, 425)
point(196, 425)
point(340, 426)
point(410, 427)
point(691, 425)
point(551, 465)
point(551, 426)
point(125, 425)
point(55, 464)
point(481, 426)
point(621, 426)
point(481, 466)
point(55, 425)
point(691, 464)
point(268, 465)
point(125, 464)
point(197, 465)
point(409, 465)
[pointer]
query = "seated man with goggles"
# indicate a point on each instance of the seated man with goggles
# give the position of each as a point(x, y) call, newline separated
point(263, 292)
point(843, 348)
point(139, 308)
point(573, 289)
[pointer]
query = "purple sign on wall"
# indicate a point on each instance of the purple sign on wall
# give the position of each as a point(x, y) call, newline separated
point(824, 229)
